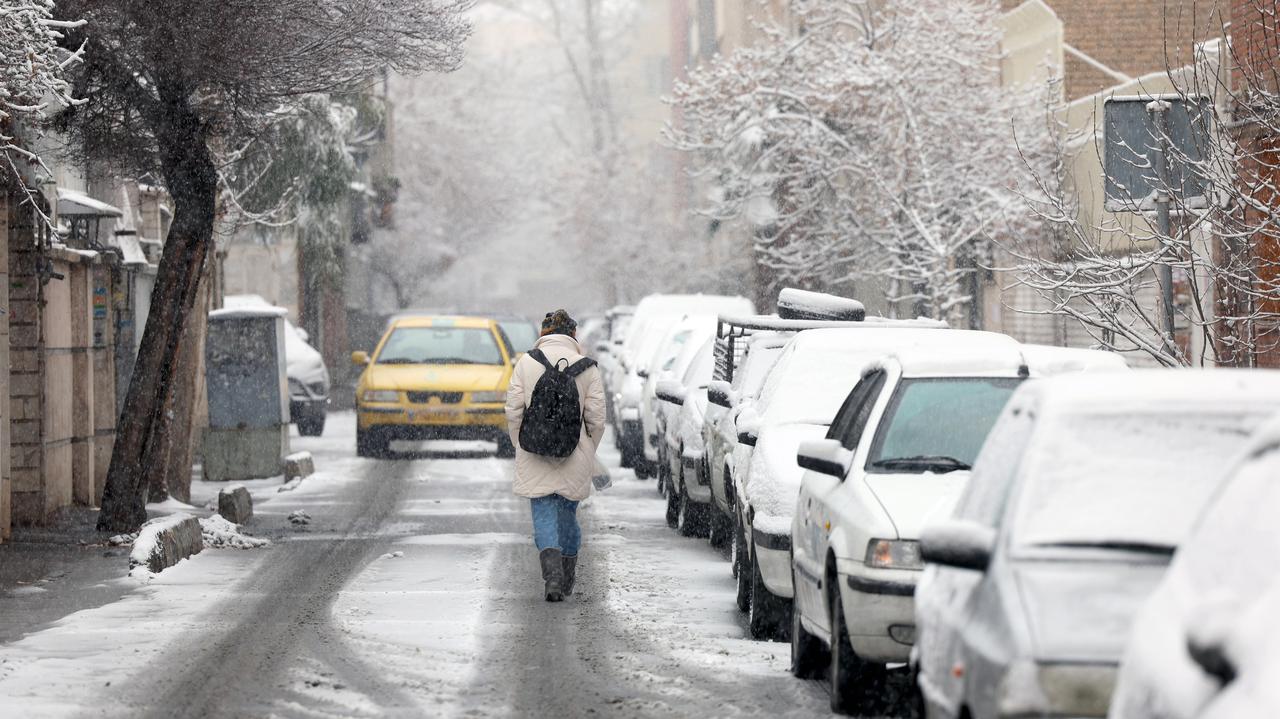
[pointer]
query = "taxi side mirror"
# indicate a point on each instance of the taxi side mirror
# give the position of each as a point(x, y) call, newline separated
point(359, 359)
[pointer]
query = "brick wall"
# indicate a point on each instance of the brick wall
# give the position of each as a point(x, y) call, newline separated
point(1127, 36)
point(26, 371)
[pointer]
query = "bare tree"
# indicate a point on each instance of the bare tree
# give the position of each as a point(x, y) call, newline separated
point(162, 92)
point(32, 74)
point(875, 144)
point(1221, 250)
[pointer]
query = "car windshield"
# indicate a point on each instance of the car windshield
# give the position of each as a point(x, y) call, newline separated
point(440, 345)
point(1125, 481)
point(521, 334)
point(938, 425)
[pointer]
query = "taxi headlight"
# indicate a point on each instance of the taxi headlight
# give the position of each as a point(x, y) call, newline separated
point(380, 395)
point(486, 397)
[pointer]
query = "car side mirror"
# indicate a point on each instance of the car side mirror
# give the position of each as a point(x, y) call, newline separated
point(958, 543)
point(669, 390)
point(642, 373)
point(1208, 624)
point(825, 456)
point(602, 347)
point(359, 359)
point(1212, 658)
point(720, 393)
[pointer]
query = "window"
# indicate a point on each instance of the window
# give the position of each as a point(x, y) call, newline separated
point(852, 418)
point(440, 345)
point(938, 423)
point(987, 492)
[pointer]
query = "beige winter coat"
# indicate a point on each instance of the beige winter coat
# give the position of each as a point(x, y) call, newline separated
point(538, 476)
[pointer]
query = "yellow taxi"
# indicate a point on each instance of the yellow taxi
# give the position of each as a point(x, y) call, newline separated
point(434, 377)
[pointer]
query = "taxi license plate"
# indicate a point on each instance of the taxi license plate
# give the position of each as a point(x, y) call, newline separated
point(423, 416)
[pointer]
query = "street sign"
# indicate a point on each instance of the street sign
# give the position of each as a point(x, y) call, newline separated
point(1131, 143)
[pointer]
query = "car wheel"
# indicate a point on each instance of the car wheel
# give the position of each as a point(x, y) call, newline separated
point(691, 520)
point(506, 449)
point(372, 443)
point(767, 614)
point(808, 655)
point(854, 683)
point(673, 507)
point(311, 421)
point(718, 528)
point(742, 562)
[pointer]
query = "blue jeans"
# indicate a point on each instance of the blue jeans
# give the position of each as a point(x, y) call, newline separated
point(555, 524)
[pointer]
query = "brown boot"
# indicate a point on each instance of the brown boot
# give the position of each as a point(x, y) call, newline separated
point(552, 574)
point(570, 565)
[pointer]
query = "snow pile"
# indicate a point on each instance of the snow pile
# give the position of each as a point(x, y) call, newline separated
point(299, 517)
point(219, 533)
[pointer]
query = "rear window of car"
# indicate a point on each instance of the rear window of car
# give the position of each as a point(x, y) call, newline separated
point(940, 418)
point(440, 345)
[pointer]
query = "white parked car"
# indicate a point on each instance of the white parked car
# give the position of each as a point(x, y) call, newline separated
point(1083, 491)
point(1207, 641)
point(725, 401)
point(688, 496)
point(897, 453)
point(670, 362)
point(653, 318)
point(798, 401)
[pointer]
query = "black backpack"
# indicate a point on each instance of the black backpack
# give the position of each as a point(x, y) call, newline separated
point(553, 420)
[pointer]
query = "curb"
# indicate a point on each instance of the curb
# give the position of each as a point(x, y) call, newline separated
point(165, 541)
point(298, 465)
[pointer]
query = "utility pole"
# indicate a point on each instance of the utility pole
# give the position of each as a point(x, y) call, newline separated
point(1159, 110)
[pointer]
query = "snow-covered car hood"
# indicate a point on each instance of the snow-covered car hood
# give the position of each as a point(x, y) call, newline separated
point(303, 362)
point(1083, 610)
point(773, 481)
point(912, 501)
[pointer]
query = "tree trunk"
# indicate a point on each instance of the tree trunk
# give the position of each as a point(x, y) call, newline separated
point(142, 437)
point(177, 471)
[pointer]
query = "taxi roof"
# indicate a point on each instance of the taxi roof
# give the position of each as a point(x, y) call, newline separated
point(443, 321)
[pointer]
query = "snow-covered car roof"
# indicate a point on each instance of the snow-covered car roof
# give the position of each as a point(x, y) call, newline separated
point(1143, 389)
point(964, 353)
point(654, 305)
point(1046, 360)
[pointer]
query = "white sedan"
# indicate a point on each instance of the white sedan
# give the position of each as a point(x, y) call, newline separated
point(897, 453)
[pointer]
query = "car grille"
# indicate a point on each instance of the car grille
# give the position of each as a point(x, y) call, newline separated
point(425, 397)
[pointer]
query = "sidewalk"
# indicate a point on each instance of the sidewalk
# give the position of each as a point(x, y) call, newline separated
point(51, 571)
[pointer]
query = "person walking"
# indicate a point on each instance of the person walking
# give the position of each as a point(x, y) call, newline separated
point(555, 415)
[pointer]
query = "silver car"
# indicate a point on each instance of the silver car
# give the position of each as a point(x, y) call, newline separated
point(1078, 500)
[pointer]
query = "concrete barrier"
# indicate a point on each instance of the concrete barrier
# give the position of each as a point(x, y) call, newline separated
point(235, 505)
point(298, 465)
point(165, 541)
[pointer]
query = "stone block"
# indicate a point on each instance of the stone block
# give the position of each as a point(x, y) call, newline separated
point(27, 360)
point(23, 288)
point(298, 465)
point(24, 385)
point(24, 312)
point(26, 480)
point(165, 541)
point(25, 431)
point(240, 454)
point(235, 504)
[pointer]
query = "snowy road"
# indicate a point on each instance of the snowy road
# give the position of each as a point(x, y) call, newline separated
point(414, 591)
